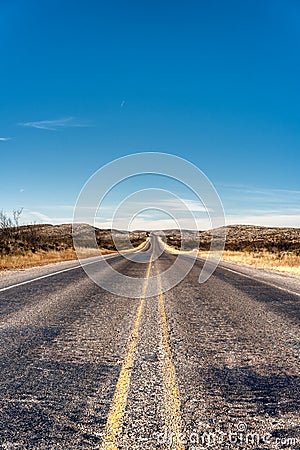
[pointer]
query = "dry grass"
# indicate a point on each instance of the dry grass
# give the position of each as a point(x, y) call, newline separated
point(176, 251)
point(138, 247)
point(282, 261)
point(287, 262)
point(41, 258)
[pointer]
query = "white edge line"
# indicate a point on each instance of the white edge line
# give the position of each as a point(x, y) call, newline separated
point(261, 281)
point(57, 272)
point(199, 258)
point(255, 279)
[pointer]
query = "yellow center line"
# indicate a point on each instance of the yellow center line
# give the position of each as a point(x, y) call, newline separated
point(115, 418)
point(172, 402)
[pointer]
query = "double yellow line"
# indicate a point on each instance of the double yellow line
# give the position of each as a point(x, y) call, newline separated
point(172, 404)
point(173, 421)
point(114, 422)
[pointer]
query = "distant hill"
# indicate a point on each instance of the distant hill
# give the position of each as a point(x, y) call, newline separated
point(241, 237)
point(59, 237)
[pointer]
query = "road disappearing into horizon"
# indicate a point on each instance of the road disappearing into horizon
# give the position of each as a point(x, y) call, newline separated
point(213, 365)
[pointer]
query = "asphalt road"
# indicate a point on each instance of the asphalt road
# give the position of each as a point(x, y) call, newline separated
point(214, 365)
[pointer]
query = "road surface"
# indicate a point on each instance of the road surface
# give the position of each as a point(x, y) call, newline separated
point(199, 366)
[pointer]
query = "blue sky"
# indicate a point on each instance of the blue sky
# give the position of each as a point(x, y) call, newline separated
point(217, 83)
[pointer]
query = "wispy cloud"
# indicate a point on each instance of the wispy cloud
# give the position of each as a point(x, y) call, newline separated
point(266, 220)
point(33, 216)
point(5, 139)
point(257, 192)
point(54, 125)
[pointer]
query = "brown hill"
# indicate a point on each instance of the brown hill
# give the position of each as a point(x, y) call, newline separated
point(59, 237)
point(241, 237)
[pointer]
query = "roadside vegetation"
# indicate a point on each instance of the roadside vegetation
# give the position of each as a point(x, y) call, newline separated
point(288, 262)
point(38, 258)
point(23, 246)
point(260, 247)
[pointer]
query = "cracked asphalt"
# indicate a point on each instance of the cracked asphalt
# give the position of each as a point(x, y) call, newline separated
point(215, 365)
